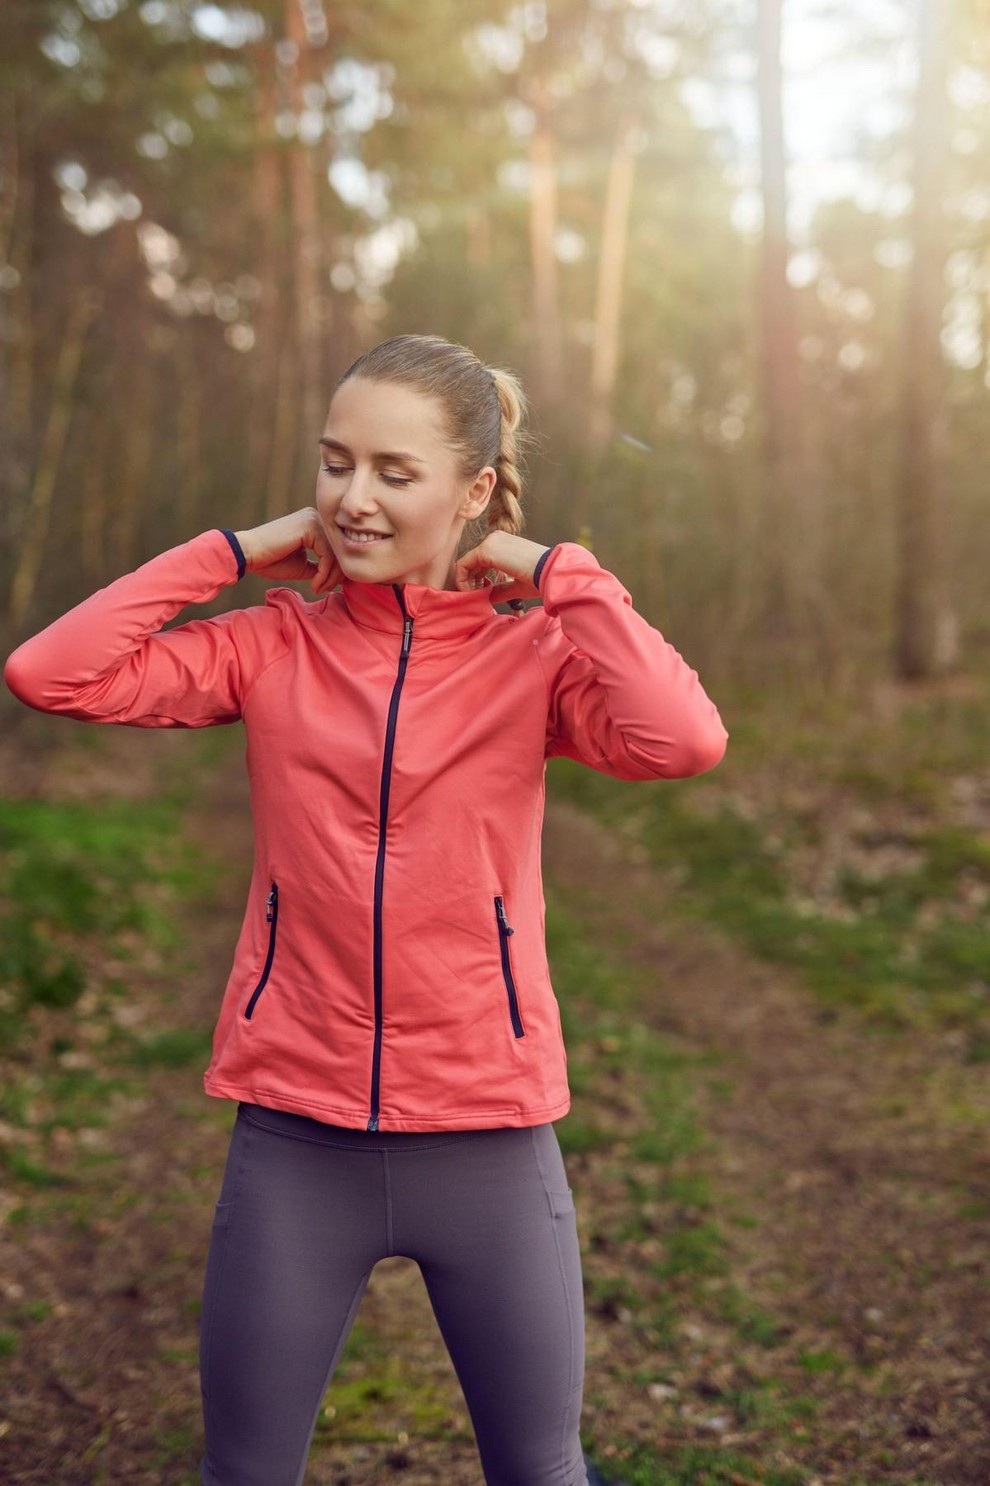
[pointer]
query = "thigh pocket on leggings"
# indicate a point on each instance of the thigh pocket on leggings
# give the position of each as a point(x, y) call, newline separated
point(561, 1203)
point(221, 1214)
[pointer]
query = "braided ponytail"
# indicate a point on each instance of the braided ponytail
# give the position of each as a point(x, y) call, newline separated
point(504, 511)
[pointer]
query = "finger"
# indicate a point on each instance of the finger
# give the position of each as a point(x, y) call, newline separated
point(470, 567)
point(322, 572)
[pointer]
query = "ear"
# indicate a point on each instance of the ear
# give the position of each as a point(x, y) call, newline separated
point(479, 494)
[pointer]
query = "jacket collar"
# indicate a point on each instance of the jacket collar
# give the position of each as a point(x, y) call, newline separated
point(438, 613)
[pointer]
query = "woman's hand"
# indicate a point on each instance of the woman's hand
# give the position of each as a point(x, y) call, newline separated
point(510, 556)
point(280, 548)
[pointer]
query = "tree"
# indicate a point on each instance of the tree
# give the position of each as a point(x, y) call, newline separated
point(790, 569)
point(925, 639)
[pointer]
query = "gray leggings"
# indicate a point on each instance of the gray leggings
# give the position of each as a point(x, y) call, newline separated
point(306, 1210)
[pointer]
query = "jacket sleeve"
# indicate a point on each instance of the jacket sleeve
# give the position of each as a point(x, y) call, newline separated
point(621, 698)
point(104, 660)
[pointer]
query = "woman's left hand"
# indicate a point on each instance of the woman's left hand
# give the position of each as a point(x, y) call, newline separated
point(512, 556)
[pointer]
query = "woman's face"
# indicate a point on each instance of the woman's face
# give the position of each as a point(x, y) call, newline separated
point(386, 468)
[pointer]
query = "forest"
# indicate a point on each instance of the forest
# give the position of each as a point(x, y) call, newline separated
point(738, 253)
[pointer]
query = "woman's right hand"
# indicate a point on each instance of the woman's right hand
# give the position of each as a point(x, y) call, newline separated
point(280, 548)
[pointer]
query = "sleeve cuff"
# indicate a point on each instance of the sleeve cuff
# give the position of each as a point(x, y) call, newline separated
point(237, 550)
point(539, 565)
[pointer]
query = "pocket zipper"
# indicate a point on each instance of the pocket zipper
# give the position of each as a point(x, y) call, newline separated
point(271, 914)
point(503, 940)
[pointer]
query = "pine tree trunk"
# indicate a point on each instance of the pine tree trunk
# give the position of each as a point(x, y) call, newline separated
point(547, 358)
point(789, 560)
point(269, 196)
point(925, 629)
point(17, 435)
point(85, 308)
point(611, 270)
point(311, 327)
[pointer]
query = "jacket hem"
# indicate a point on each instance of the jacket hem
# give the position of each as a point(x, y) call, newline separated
point(237, 550)
point(539, 565)
point(357, 1119)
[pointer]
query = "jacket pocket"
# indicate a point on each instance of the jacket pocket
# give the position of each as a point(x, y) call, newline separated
point(510, 986)
point(271, 914)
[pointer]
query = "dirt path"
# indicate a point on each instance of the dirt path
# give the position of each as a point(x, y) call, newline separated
point(862, 1156)
point(862, 1160)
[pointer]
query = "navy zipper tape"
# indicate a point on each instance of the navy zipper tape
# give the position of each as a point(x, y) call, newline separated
point(393, 710)
point(539, 564)
point(271, 913)
point(510, 986)
point(237, 550)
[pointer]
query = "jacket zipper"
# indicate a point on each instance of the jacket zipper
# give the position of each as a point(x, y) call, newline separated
point(503, 940)
point(376, 1057)
point(271, 914)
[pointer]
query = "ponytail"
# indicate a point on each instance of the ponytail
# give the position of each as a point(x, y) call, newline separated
point(504, 511)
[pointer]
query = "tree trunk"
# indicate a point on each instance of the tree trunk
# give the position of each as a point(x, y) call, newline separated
point(791, 564)
point(925, 631)
point(140, 420)
point(16, 324)
point(312, 326)
point(188, 517)
point(281, 480)
point(479, 237)
point(611, 269)
point(269, 217)
point(97, 483)
point(85, 308)
point(547, 357)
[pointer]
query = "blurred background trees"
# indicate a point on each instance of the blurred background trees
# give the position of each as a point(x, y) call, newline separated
point(739, 251)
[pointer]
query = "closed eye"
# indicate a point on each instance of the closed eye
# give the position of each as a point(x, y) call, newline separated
point(336, 470)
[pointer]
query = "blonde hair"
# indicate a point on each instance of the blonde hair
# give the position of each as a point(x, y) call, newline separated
point(483, 407)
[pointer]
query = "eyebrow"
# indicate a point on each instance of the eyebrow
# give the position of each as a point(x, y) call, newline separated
point(383, 454)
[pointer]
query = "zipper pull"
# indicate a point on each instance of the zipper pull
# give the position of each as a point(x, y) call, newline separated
point(272, 896)
point(372, 1124)
point(407, 635)
point(500, 910)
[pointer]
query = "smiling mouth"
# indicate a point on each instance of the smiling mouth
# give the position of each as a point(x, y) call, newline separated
point(362, 538)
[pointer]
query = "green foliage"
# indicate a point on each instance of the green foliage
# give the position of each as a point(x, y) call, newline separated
point(752, 1322)
point(699, 1465)
point(71, 873)
point(823, 1361)
point(904, 944)
point(25, 1169)
point(177, 1048)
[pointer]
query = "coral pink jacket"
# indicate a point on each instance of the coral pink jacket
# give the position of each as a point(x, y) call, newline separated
point(391, 968)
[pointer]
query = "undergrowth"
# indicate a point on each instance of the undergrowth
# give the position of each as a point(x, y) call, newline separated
point(853, 850)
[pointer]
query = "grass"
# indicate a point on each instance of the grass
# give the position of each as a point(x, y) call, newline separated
point(374, 1387)
point(700, 1465)
point(74, 875)
point(887, 913)
point(91, 892)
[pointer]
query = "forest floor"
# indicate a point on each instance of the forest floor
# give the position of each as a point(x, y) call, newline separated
point(782, 1204)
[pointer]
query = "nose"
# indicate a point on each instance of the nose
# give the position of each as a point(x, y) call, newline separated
point(358, 498)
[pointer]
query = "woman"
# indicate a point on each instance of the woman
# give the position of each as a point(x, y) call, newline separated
point(389, 1029)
